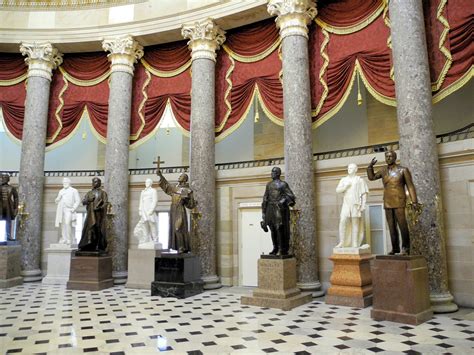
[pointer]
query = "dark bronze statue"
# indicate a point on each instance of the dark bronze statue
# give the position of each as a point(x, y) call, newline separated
point(8, 204)
point(395, 178)
point(94, 231)
point(181, 198)
point(276, 212)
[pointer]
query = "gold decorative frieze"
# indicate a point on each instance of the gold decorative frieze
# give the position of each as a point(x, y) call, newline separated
point(62, 4)
point(41, 58)
point(205, 38)
point(293, 16)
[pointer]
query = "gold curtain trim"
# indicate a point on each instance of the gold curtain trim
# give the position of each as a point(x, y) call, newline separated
point(80, 82)
point(382, 98)
point(280, 73)
point(387, 22)
point(322, 72)
point(165, 74)
point(141, 114)
point(226, 96)
point(441, 45)
point(15, 81)
point(275, 119)
point(92, 128)
point(58, 111)
point(9, 134)
point(253, 58)
point(353, 28)
point(68, 137)
point(458, 84)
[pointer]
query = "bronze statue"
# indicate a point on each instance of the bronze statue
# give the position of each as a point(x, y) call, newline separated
point(395, 178)
point(181, 198)
point(276, 212)
point(94, 231)
point(8, 204)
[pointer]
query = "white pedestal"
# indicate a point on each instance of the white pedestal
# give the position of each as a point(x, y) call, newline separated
point(141, 267)
point(59, 263)
point(364, 249)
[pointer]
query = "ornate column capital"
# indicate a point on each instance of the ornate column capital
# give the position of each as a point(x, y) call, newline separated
point(124, 53)
point(41, 58)
point(205, 38)
point(293, 16)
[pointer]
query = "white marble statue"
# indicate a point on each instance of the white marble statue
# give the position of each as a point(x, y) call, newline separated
point(68, 200)
point(351, 224)
point(146, 230)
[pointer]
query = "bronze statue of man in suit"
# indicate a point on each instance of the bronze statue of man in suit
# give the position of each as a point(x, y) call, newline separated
point(395, 177)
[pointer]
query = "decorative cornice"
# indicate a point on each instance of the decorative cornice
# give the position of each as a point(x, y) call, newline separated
point(293, 16)
point(124, 53)
point(41, 58)
point(205, 38)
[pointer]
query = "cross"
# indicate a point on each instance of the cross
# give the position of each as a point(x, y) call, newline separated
point(158, 162)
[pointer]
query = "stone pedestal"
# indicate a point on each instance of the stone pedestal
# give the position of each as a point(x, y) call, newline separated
point(59, 263)
point(141, 267)
point(10, 266)
point(400, 286)
point(277, 285)
point(177, 275)
point(91, 273)
point(351, 280)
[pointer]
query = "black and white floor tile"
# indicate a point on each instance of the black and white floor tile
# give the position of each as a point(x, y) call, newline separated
point(36, 319)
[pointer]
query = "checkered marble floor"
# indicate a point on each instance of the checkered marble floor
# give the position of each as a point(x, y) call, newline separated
point(37, 319)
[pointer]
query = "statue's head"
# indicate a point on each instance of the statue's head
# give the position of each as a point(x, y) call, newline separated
point(96, 182)
point(66, 182)
point(352, 168)
point(390, 157)
point(148, 182)
point(276, 173)
point(5, 178)
point(183, 178)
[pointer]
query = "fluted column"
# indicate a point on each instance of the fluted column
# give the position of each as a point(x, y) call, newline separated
point(41, 58)
point(204, 39)
point(418, 149)
point(124, 53)
point(293, 17)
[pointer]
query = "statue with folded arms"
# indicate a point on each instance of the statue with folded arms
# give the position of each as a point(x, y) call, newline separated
point(68, 200)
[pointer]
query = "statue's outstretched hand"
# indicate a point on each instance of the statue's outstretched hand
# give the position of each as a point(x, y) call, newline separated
point(373, 162)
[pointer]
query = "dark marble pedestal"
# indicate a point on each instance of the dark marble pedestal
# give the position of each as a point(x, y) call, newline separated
point(177, 275)
point(400, 289)
point(10, 265)
point(91, 273)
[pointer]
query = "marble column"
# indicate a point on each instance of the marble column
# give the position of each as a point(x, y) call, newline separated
point(124, 52)
point(418, 149)
point(41, 58)
point(204, 39)
point(293, 17)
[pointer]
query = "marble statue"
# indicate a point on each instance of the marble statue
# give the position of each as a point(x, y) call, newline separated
point(68, 200)
point(8, 204)
point(181, 198)
point(351, 222)
point(94, 236)
point(276, 212)
point(146, 230)
point(395, 178)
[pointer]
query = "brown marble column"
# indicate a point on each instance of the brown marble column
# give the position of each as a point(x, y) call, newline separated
point(41, 58)
point(124, 52)
point(293, 17)
point(418, 149)
point(204, 39)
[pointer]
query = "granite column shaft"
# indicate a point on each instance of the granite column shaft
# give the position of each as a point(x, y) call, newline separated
point(124, 52)
point(418, 148)
point(42, 58)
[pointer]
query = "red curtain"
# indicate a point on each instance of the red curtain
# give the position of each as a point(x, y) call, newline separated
point(347, 13)
point(12, 66)
point(86, 66)
point(167, 57)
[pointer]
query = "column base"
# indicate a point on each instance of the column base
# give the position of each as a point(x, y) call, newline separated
point(211, 282)
point(10, 266)
point(314, 288)
point(32, 275)
point(443, 303)
point(120, 277)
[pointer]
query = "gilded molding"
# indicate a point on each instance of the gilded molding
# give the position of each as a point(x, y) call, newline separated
point(205, 38)
point(124, 53)
point(293, 16)
point(41, 59)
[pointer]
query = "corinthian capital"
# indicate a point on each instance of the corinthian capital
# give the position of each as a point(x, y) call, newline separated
point(124, 53)
point(293, 16)
point(41, 58)
point(205, 38)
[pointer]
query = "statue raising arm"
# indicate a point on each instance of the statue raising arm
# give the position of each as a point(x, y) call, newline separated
point(370, 171)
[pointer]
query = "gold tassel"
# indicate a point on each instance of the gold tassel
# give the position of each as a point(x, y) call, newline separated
point(359, 96)
point(84, 135)
point(257, 113)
